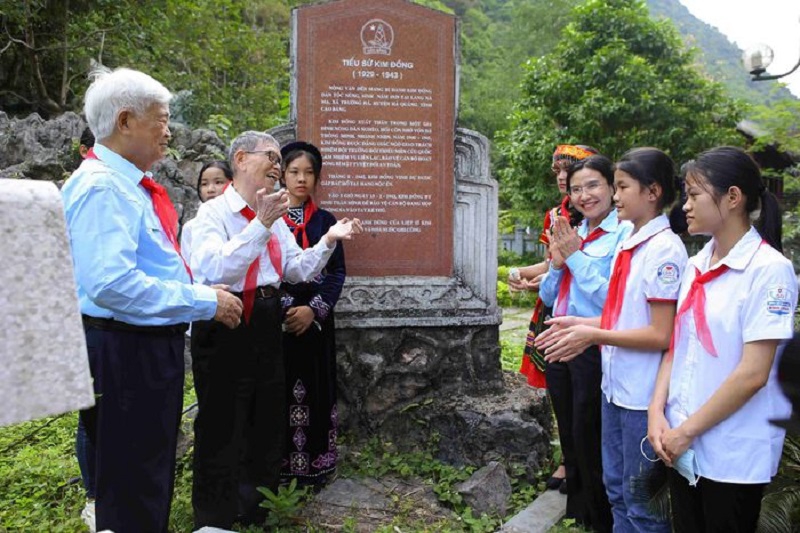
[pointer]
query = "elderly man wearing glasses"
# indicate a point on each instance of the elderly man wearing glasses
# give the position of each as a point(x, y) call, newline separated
point(243, 242)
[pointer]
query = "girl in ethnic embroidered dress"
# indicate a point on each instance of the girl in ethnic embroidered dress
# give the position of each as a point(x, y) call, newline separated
point(717, 388)
point(634, 329)
point(576, 284)
point(308, 343)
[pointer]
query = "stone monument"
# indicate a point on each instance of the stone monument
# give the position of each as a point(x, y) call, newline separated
point(375, 87)
point(44, 368)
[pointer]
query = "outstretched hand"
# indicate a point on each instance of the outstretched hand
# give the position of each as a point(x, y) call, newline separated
point(344, 229)
point(557, 324)
point(271, 206)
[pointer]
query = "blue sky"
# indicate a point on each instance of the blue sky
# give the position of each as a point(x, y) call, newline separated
point(748, 22)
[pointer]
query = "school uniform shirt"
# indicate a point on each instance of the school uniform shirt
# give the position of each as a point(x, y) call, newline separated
point(754, 300)
point(590, 267)
point(225, 244)
point(658, 262)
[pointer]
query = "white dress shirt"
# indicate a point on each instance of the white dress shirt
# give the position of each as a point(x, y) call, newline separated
point(186, 242)
point(629, 375)
point(224, 244)
point(755, 300)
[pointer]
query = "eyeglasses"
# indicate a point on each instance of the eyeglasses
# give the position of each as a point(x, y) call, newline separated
point(273, 156)
point(589, 188)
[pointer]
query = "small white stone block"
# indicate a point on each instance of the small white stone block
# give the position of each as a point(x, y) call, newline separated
point(44, 367)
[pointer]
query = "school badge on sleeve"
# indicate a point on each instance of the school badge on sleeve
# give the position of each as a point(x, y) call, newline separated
point(668, 273)
point(779, 301)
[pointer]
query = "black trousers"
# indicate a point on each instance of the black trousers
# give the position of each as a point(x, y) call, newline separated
point(134, 426)
point(240, 426)
point(575, 393)
point(712, 506)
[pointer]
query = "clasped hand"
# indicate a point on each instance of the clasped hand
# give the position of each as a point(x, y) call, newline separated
point(564, 340)
point(564, 241)
point(668, 443)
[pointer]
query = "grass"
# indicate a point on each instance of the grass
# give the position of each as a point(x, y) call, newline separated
point(41, 489)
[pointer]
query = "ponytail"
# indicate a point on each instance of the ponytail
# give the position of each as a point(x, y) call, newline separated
point(769, 223)
point(677, 216)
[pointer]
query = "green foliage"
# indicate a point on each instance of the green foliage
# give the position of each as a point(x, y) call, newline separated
point(511, 353)
point(496, 38)
point(37, 494)
point(616, 79)
point(568, 525)
point(510, 258)
point(224, 57)
point(283, 506)
point(508, 298)
point(221, 125)
point(778, 127)
point(377, 459)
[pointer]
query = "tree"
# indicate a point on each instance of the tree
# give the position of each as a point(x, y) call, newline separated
point(616, 80)
point(224, 57)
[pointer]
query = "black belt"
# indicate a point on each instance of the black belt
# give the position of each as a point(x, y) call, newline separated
point(109, 324)
point(262, 292)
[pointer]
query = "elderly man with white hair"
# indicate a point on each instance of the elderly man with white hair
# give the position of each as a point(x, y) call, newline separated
point(137, 297)
point(239, 374)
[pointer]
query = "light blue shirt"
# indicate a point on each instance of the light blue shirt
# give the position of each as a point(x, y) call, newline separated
point(125, 266)
point(590, 267)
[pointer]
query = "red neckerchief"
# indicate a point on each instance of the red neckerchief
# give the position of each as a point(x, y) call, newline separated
point(163, 208)
point(309, 208)
point(566, 278)
point(696, 301)
point(251, 278)
point(616, 287)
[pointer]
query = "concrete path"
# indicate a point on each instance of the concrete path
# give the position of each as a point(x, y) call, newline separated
point(541, 515)
point(514, 317)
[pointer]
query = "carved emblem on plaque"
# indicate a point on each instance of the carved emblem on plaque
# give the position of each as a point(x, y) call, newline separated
point(377, 37)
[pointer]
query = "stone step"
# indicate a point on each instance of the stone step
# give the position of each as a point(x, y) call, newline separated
point(541, 515)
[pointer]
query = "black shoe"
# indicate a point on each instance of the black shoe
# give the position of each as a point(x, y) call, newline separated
point(563, 487)
point(554, 483)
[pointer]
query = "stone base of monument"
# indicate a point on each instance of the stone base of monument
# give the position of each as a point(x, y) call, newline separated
point(442, 388)
point(511, 426)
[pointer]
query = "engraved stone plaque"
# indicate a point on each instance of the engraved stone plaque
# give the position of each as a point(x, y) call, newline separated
point(376, 92)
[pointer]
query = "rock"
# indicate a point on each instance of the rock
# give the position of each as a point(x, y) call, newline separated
point(488, 490)
point(44, 366)
point(38, 149)
point(512, 425)
point(366, 504)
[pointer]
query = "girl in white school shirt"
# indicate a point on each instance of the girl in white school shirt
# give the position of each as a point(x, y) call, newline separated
point(635, 326)
point(576, 285)
point(716, 394)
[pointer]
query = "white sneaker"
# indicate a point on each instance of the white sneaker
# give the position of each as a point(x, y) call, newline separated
point(88, 517)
